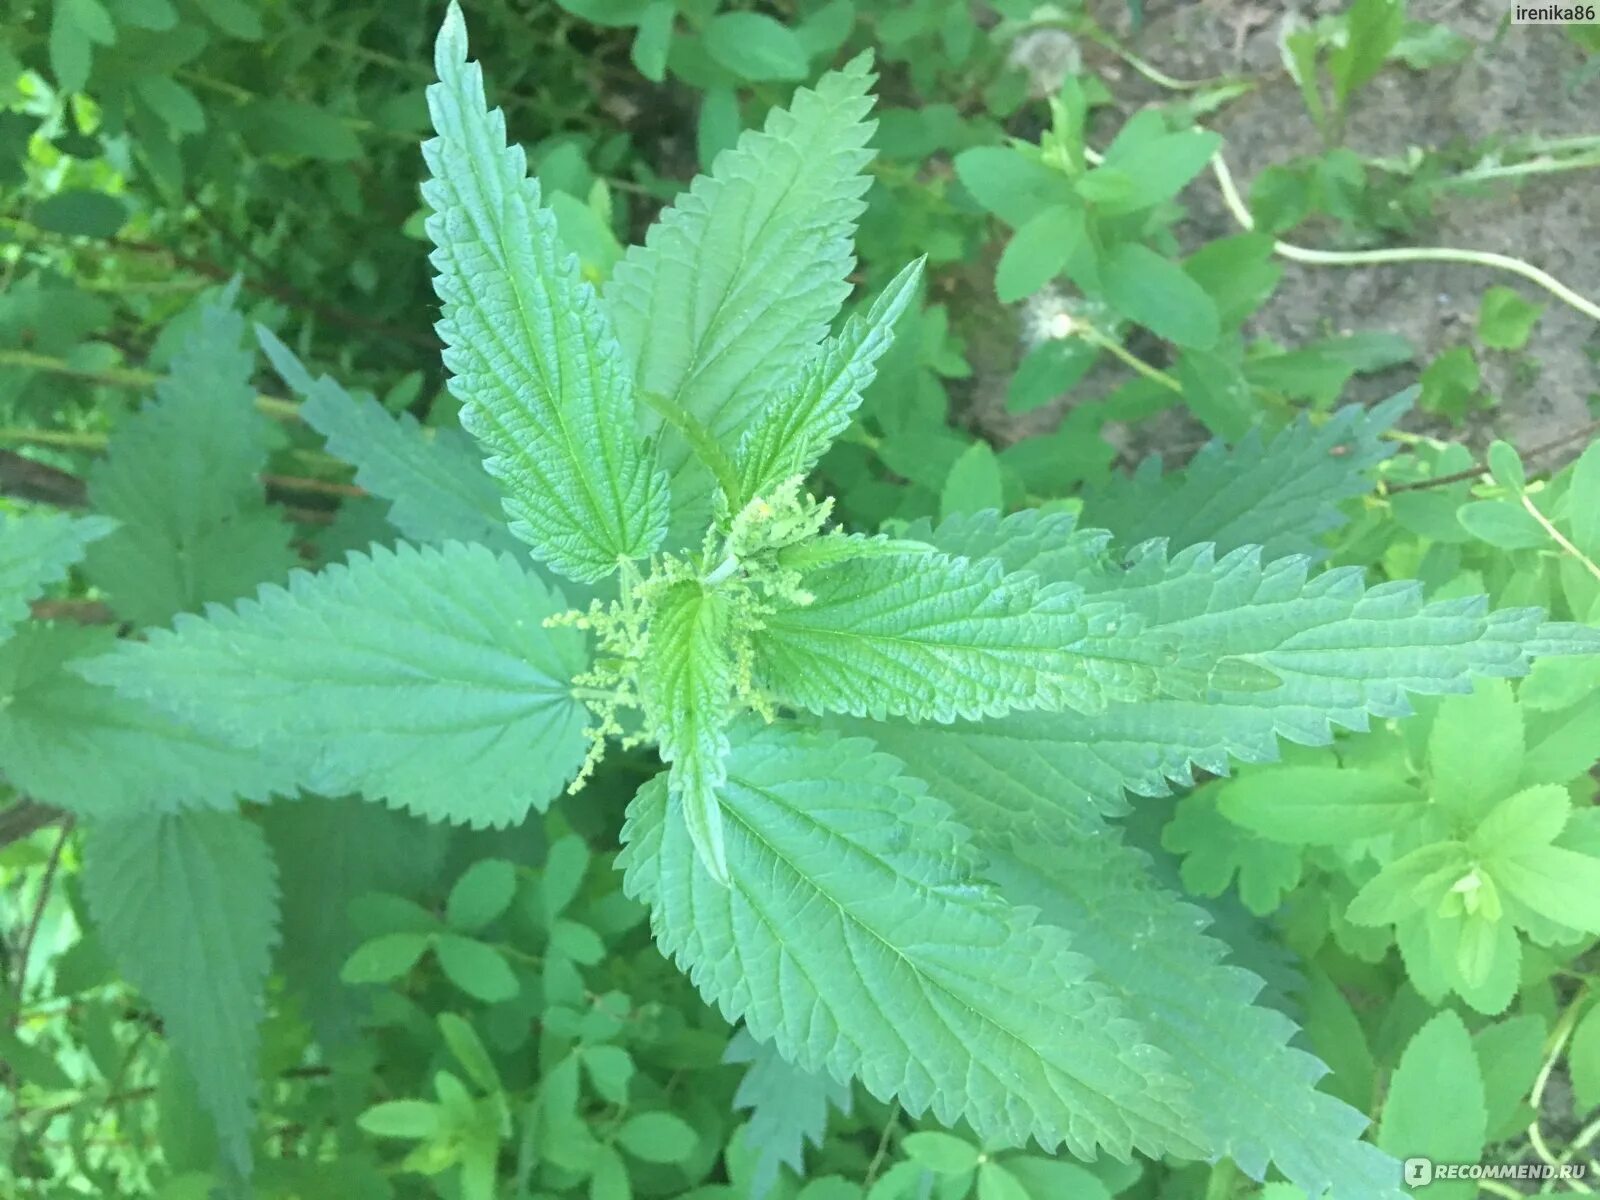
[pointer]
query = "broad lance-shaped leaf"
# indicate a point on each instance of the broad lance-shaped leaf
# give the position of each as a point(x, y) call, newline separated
point(187, 907)
point(37, 550)
point(433, 479)
point(1280, 495)
point(182, 477)
point(53, 721)
point(540, 376)
point(933, 637)
point(738, 281)
point(1261, 1102)
point(686, 684)
point(1342, 652)
point(424, 678)
point(857, 937)
point(789, 434)
point(788, 1108)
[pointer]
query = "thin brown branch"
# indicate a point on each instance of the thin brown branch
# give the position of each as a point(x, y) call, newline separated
point(1566, 439)
point(25, 948)
point(40, 483)
point(24, 818)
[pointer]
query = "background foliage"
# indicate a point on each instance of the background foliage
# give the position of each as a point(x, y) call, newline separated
point(479, 1013)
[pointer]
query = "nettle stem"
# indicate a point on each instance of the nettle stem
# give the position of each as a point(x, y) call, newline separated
point(724, 571)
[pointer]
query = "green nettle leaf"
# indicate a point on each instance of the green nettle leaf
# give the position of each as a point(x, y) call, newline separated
point(686, 684)
point(181, 476)
point(1281, 494)
point(857, 938)
point(433, 479)
point(788, 1107)
point(542, 380)
point(421, 677)
point(736, 283)
point(1340, 652)
point(1435, 1106)
point(787, 436)
point(932, 637)
point(53, 721)
point(187, 906)
point(1259, 1099)
point(36, 551)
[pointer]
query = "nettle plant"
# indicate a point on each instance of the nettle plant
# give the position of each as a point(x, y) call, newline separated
point(884, 839)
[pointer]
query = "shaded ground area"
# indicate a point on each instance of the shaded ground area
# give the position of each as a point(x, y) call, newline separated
point(1518, 82)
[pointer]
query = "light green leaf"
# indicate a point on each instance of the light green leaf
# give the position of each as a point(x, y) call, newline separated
point(1318, 806)
point(52, 722)
point(657, 1137)
point(1038, 252)
point(1435, 1106)
point(1504, 524)
point(788, 435)
point(477, 969)
point(737, 282)
point(1558, 884)
point(424, 678)
point(1159, 167)
point(187, 907)
point(414, 1120)
point(542, 380)
point(934, 638)
point(1583, 1060)
point(686, 684)
point(37, 550)
point(856, 938)
point(1010, 183)
point(997, 1183)
point(1281, 494)
point(755, 46)
point(974, 482)
point(1154, 291)
point(1475, 749)
point(1216, 391)
point(181, 475)
point(788, 1107)
point(941, 1153)
point(1373, 28)
point(1410, 884)
point(1532, 817)
point(384, 958)
point(482, 893)
point(653, 41)
point(469, 1050)
point(433, 479)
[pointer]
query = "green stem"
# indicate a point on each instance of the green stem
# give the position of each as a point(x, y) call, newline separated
point(1154, 374)
point(1403, 254)
point(128, 377)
